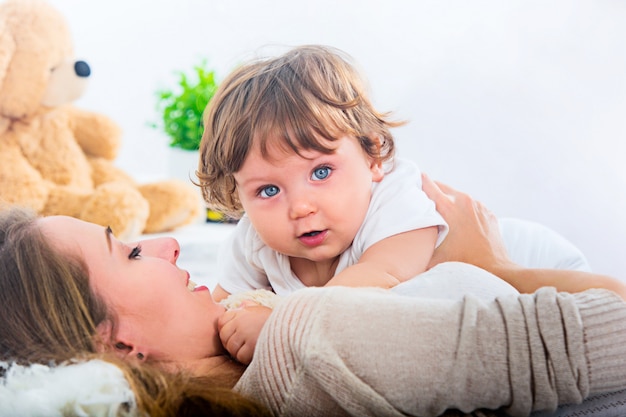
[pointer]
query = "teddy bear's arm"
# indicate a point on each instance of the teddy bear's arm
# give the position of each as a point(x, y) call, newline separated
point(20, 182)
point(97, 134)
point(104, 170)
point(5, 123)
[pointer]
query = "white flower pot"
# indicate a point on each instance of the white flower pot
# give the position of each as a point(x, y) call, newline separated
point(183, 164)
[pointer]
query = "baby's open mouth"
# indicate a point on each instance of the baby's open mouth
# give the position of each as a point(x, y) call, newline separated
point(313, 233)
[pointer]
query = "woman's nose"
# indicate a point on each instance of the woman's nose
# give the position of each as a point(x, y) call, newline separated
point(166, 248)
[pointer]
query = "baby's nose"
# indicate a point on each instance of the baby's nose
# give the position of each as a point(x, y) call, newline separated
point(302, 208)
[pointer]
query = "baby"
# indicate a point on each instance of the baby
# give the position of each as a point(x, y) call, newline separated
point(295, 143)
point(294, 148)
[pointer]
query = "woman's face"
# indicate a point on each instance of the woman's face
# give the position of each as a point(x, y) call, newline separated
point(157, 315)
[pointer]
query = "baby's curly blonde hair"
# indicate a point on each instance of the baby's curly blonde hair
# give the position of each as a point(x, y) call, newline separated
point(308, 94)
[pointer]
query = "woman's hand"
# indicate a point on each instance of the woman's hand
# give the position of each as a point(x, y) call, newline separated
point(474, 238)
point(474, 234)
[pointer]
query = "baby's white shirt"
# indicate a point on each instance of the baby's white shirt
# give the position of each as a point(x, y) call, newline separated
point(398, 205)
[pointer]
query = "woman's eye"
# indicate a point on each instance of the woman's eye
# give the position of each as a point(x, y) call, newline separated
point(269, 191)
point(135, 252)
point(321, 173)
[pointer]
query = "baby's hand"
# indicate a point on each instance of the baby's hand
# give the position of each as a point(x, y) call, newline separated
point(239, 330)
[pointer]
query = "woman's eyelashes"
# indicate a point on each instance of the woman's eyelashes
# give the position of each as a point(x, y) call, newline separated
point(135, 252)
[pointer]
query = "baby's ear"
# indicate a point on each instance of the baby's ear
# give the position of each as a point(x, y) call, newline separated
point(376, 164)
point(377, 170)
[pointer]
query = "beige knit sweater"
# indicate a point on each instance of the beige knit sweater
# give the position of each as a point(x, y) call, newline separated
point(367, 352)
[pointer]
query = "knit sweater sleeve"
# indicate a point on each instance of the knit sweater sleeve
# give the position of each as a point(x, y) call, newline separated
point(365, 352)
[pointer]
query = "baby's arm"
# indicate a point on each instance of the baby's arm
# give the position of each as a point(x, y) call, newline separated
point(391, 261)
point(219, 293)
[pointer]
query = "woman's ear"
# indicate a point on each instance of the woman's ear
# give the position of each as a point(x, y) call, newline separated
point(129, 352)
point(120, 344)
point(103, 341)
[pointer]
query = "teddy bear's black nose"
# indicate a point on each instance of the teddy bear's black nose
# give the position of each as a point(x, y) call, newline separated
point(81, 68)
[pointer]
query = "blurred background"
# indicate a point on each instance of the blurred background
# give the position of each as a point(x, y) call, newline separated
point(520, 103)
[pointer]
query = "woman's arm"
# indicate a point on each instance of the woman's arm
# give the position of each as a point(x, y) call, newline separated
point(363, 352)
point(474, 238)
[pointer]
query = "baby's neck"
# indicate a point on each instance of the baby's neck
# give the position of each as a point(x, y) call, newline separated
point(313, 274)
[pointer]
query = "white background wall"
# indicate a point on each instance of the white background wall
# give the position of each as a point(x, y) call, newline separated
point(521, 103)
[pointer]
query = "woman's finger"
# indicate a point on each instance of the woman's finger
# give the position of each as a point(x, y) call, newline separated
point(446, 189)
point(432, 189)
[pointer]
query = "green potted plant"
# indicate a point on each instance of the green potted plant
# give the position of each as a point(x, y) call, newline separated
point(181, 111)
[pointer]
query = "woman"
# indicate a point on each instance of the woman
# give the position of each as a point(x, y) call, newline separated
point(69, 288)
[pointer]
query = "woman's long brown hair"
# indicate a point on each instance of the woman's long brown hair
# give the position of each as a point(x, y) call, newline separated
point(49, 314)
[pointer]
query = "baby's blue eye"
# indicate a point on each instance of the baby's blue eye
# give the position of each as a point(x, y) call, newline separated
point(269, 191)
point(320, 173)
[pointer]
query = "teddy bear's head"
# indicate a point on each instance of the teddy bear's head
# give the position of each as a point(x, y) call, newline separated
point(37, 65)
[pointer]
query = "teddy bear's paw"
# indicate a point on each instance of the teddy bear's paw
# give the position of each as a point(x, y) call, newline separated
point(119, 206)
point(173, 204)
point(65, 201)
point(104, 170)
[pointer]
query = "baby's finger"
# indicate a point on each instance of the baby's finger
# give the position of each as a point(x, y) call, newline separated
point(230, 338)
point(227, 329)
point(226, 339)
point(244, 354)
point(248, 303)
point(226, 333)
point(233, 345)
point(225, 318)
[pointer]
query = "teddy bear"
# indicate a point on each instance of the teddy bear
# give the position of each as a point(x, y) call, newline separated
point(58, 159)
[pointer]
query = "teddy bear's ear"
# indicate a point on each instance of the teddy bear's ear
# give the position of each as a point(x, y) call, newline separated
point(7, 49)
